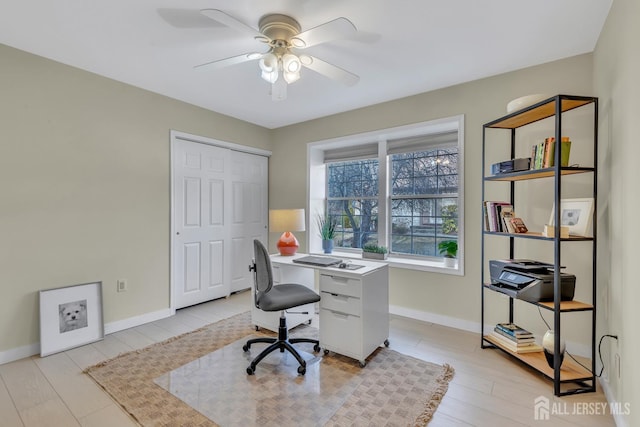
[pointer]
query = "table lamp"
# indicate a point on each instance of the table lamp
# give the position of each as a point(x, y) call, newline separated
point(287, 220)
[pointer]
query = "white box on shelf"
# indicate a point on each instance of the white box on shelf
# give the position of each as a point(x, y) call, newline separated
point(550, 231)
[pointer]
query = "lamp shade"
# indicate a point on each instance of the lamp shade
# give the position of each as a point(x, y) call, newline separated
point(287, 220)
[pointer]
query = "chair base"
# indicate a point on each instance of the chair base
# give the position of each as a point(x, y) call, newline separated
point(282, 343)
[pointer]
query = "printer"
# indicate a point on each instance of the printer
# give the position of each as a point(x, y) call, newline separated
point(529, 280)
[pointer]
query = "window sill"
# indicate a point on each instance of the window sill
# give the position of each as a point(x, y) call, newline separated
point(405, 263)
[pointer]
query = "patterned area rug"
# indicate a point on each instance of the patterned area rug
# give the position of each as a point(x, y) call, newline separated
point(154, 384)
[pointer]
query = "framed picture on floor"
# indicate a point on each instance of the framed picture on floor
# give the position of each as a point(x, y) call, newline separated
point(70, 317)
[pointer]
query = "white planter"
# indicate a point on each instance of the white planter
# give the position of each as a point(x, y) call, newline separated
point(373, 255)
point(449, 262)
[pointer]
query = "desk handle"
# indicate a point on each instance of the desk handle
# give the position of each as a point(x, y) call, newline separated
point(340, 315)
point(340, 278)
point(339, 297)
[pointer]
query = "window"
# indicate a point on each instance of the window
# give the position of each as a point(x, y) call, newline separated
point(424, 200)
point(403, 191)
point(352, 202)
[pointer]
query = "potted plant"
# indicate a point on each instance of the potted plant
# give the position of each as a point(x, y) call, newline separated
point(374, 251)
point(327, 229)
point(448, 249)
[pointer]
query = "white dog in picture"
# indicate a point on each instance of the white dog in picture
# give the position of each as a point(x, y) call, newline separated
point(73, 315)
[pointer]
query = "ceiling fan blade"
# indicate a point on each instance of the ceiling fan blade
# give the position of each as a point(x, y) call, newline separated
point(226, 62)
point(186, 18)
point(332, 30)
point(230, 21)
point(329, 70)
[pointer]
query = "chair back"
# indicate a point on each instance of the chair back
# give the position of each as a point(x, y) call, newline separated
point(263, 272)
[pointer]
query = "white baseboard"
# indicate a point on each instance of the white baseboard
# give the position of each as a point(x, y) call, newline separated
point(439, 319)
point(619, 419)
point(132, 322)
point(18, 353)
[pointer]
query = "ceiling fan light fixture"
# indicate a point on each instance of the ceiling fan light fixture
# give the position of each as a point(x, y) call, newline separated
point(291, 63)
point(269, 66)
point(290, 77)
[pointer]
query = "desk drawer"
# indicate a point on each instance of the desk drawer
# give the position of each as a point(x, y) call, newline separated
point(341, 333)
point(340, 285)
point(342, 303)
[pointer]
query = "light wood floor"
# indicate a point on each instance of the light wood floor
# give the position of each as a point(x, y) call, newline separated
point(488, 388)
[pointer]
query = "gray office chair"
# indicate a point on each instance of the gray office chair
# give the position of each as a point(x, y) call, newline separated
point(277, 298)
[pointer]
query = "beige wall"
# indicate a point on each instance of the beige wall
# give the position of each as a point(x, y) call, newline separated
point(84, 179)
point(616, 77)
point(480, 101)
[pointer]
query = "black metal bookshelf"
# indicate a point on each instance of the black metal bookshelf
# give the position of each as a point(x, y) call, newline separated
point(568, 376)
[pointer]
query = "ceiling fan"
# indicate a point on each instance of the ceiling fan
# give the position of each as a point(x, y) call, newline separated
point(281, 64)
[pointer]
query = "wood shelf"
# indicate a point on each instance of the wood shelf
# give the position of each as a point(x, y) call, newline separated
point(541, 110)
point(538, 235)
point(565, 306)
point(537, 174)
point(570, 371)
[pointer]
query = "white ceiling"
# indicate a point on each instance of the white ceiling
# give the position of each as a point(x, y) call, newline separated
point(402, 48)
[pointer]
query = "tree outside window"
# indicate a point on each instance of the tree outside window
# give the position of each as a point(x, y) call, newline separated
point(352, 189)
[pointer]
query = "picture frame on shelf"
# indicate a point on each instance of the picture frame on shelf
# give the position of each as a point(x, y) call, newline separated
point(70, 317)
point(576, 214)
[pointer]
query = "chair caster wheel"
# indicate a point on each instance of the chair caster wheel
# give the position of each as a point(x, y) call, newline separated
point(245, 348)
point(250, 371)
point(386, 343)
point(362, 364)
point(326, 351)
point(316, 348)
point(302, 370)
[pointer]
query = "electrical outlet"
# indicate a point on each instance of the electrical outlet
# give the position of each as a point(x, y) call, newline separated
point(616, 361)
point(122, 285)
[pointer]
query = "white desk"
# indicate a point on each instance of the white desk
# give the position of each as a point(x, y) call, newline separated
point(354, 304)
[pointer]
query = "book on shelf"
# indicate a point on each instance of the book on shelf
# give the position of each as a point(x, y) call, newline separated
point(529, 347)
point(506, 214)
point(518, 225)
point(493, 218)
point(543, 153)
point(517, 340)
point(513, 329)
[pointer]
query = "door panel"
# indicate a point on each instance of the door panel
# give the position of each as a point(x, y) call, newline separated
point(249, 177)
point(200, 274)
point(191, 267)
point(219, 207)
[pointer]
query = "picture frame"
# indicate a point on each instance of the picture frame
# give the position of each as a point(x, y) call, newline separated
point(70, 317)
point(576, 214)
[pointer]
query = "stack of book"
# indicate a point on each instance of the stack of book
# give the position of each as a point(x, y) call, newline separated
point(543, 154)
point(500, 217)
point(515, 338)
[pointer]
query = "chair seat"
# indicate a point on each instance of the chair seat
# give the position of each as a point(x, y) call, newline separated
point(285, 296)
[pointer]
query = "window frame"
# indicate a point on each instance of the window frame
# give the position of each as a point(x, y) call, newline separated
point(317, 189)
point(437, 197)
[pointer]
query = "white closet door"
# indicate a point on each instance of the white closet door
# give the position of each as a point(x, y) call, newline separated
point(249, 175)
point(219, 207)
